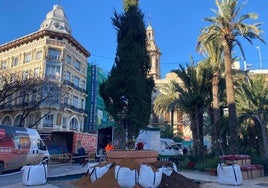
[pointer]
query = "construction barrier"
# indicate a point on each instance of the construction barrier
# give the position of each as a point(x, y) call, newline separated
point(61, 158)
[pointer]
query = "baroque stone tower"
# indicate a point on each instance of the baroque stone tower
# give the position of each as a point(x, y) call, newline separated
point(154, 53)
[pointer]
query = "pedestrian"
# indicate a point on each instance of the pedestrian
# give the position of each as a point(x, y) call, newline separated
point(81, 154)
point(185, 151)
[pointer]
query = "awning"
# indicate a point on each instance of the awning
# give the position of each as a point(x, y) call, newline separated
point(106, 124)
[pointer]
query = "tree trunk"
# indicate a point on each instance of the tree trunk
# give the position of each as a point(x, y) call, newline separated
point(233, 128)
point(172, 123)
point(193, 127)
point(200, 133)
point(264, 135)
point(216, 108)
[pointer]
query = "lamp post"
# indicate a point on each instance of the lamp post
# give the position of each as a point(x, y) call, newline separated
point(259, 49)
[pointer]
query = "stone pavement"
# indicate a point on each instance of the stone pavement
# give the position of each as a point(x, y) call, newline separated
point(59, 170)
point(206, 180)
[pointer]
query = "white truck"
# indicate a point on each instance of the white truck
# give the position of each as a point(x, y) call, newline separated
point(150, 137)
point(19, 147)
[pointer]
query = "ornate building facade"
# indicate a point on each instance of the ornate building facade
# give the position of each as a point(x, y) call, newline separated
point(181, 124)
point(154, 53)
point(51, 54)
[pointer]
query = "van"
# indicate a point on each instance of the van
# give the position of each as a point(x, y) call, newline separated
point(19, 147)
point(150, 137)
point(170, 147)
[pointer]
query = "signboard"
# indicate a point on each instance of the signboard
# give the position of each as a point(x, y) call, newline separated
point(88, 141)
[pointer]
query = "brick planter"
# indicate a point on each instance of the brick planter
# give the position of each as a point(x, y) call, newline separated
point(236, 159)
point(140, 156)
point(252, 171)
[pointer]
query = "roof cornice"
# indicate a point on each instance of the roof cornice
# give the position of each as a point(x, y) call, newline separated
point(42, 33)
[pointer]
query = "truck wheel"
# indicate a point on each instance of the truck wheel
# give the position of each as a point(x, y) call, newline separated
point(1, 168)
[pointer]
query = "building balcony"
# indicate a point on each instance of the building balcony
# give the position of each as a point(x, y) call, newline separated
point(53, 77)
point(69, 83)
point(13, 107)
point(72, 108)
point(53, 58)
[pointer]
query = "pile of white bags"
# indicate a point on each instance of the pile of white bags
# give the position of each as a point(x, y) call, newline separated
point(229, 174)
point(128, 173)
point(34, 174)
point(146, 175)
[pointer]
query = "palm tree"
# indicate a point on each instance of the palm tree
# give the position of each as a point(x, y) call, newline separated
point(165, 101)
point(252, 103)
point(213, 50)
point(226, 27)
point(194, 99)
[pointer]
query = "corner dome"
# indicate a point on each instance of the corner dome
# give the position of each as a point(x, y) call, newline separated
point(56, 20)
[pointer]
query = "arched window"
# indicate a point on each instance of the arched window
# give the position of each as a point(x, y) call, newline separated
point(6, 121)
point(18, 122)
point(74, 124)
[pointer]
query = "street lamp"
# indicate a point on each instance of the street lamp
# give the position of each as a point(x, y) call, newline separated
point(259, 49)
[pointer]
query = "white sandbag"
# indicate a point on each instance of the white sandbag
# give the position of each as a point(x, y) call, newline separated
point(167, 170)
point(229, 174)
point(125, 177)
point(34, 174)
point(90, 165)
point(97, 172)
point(149, 178)
point(175, 168)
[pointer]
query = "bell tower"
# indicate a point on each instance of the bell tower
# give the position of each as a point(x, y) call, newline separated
point(154, 53)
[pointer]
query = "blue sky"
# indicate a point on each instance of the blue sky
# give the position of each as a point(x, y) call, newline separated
point(177, 24)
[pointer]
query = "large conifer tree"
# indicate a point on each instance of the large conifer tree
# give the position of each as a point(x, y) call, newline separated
point(128, 89)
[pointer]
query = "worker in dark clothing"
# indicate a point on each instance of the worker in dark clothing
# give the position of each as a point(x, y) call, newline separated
point(185, 151)
point(81, 152)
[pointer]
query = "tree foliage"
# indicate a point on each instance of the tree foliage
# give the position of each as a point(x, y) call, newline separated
point(128, 89)
point(227, 27)
point(194, 98)
point(27, 95)
point(166, 101)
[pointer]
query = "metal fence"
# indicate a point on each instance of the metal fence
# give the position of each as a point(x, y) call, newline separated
point(69, 158)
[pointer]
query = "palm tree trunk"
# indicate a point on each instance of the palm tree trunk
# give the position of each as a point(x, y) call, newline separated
point(234, 144)
point(264, 135)
point(215, 107)
point(194, 129)
point(172, 122)
point(200, 133)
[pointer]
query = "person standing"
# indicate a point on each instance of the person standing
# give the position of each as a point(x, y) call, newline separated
point(109, 147)
point(81, 154)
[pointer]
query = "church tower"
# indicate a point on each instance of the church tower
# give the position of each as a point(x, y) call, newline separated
point(154, 53)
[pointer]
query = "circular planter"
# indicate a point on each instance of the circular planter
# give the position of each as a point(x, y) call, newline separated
point(140, 156)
